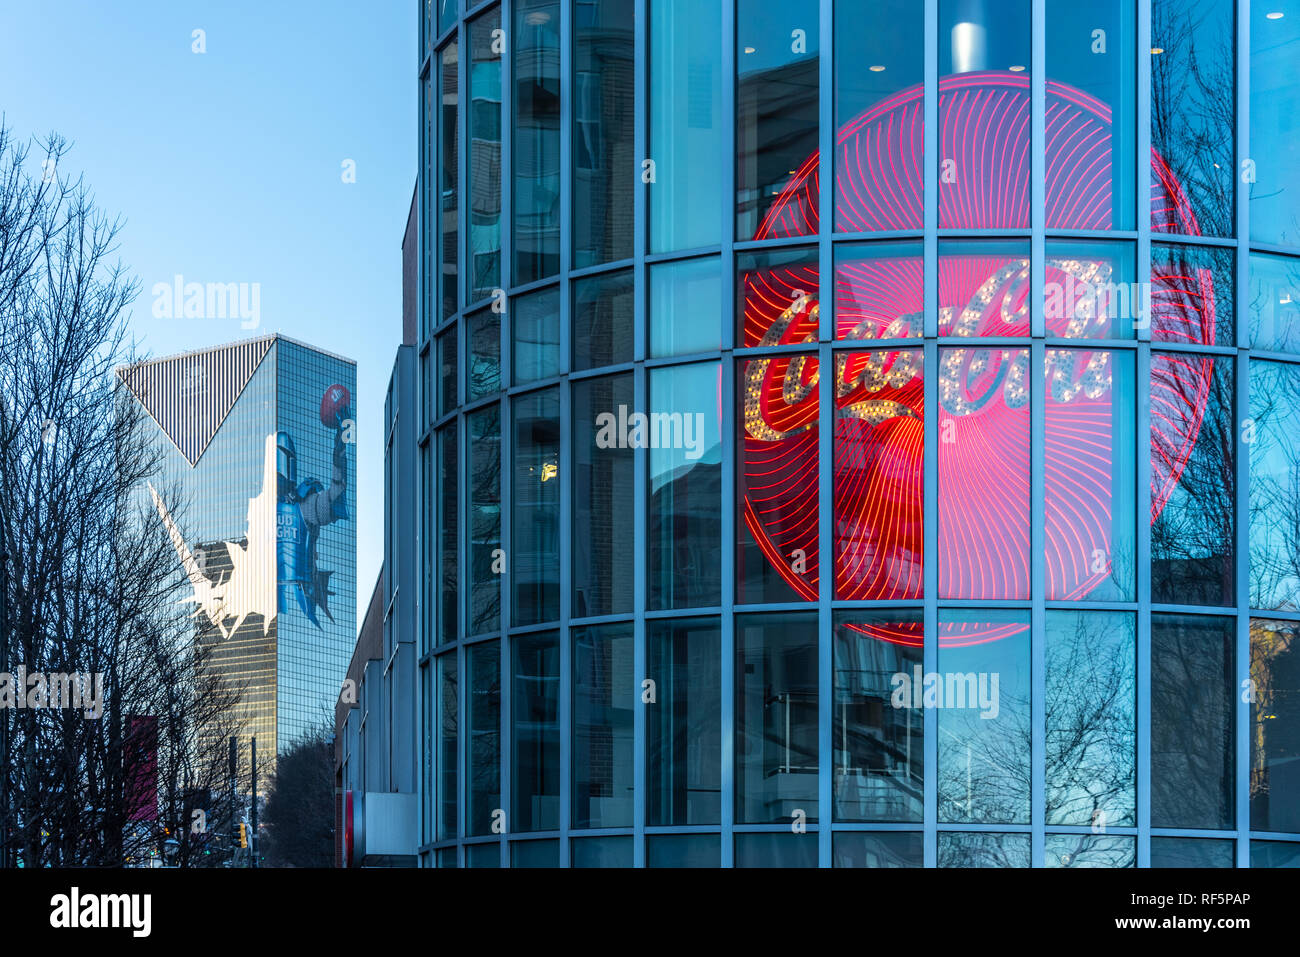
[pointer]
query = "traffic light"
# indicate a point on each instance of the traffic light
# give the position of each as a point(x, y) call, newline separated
point(243, 834)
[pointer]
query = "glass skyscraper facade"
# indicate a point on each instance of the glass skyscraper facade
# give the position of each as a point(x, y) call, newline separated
point(258, 492)
point(1019, 588)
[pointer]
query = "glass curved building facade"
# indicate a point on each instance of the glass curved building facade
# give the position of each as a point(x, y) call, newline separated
point(859, 433)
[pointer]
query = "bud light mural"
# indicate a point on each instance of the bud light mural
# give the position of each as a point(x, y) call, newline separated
point(307, 505)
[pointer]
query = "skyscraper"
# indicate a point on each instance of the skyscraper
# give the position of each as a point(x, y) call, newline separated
point(257, 492)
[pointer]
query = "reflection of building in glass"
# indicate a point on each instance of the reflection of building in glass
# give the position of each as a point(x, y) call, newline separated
point(257, 493)
point(1275, 732)
point(484, 265)
point(998, 395)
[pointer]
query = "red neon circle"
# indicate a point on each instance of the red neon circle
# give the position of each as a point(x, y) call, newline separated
point(878, 521)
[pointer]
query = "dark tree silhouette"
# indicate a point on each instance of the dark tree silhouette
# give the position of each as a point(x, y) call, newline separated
point(299, 814)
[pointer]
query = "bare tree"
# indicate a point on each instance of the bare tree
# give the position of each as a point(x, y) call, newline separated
point(299, 812)
point(91, 577)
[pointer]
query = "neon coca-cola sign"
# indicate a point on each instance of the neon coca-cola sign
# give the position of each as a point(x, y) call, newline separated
point(984, 391)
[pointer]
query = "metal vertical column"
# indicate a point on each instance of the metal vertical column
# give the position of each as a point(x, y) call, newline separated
point(1242, 764)
point(640, 224)
point(730, 444)
point(568, 456)
point(930, 512)
point(826, 432)
point(1037, 439)
point(505, 654)
point(1142, 395)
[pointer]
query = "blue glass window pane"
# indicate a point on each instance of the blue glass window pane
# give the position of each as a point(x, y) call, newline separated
point(483, 271)
point(685, 493)
point(777, 45)
point(535, 738)
point(449, 551)
point(1091, 718)
point(685, 307)
point(685, 115)
point(1275, 725)
point(984, 105)
point(1275, 303)
point(776, 718)
point(776, 850)
point(448, 205)
point(535, 336)
point(604, 81)
point(1193, 479)
point(1193, 747)
point(1193, 92)
point(683, 850)
point(1192, 852)
point(982, 690)
point(877, 735)
point(1274, 485)
point(603, 507)
point(535, 854)
point(483, 727)
point(1092, 49)
point(601, 852)
point(483, 855)
point(603, 308)
point(983, 849)
point(448, 729)
point(535, 509)
point(484, 372)
point(1193, 294)
point(1091, 476)
point(486, 562)
point(1090, 850)
point(603, 700)
point(1091, 290)
point(883, 849)
point(1274, 854)
point(535, 48)
point(446, 14)
point(448, 372)
point(684, 725)
point(879, 115)
point(1274, 133)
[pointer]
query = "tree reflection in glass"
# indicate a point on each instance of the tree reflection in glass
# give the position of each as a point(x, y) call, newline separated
point(984, 716)
point(1091, 721)
point(1090, 850)
point(984, 849)
point(1193, 108)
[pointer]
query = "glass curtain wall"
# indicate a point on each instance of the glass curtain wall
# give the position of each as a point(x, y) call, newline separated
point(767, 527)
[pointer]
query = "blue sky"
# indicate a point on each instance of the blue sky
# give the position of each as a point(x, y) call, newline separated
point(226, 167)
